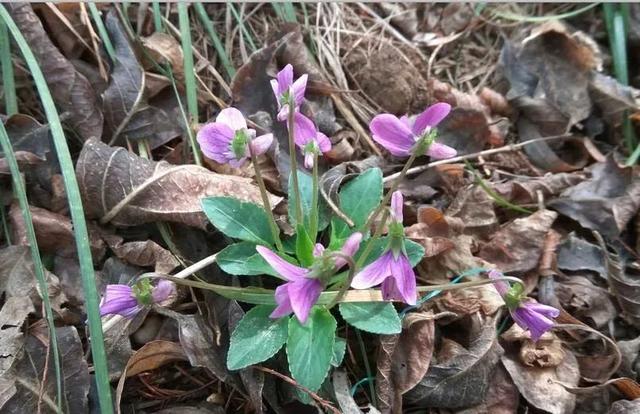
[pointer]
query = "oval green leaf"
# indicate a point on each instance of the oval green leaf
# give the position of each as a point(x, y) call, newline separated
point(374, 317)
point(237, 219)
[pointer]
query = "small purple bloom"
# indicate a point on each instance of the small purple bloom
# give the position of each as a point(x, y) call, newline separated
point(127, 300)
point(528, 314)
point(399, 135)
point(393, 269)
point(227, 140)
point(309, 139)
point(285, 89)
point(304, 285)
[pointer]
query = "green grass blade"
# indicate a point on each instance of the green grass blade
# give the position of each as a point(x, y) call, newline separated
point(243, 28)
point(541, 19)
point(77, 216)
point(8, 80)
point(157, 17)
point(289, 12)
point(189, 74)
point(215, 39)
point(38, 267)
point(102, 30)
point(5, 225)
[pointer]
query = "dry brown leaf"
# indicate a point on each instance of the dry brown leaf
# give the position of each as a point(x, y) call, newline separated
point(502, 397)
point(153, 355)
point(517, 247)
point(543, 353)
point(157, 191)
point(147, 253)
point(165, 49)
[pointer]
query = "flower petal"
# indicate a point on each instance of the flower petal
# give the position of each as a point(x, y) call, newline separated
point(304, 130)
point(324, 143)
point(431, 117)
point(276, 90)
point(303, 294)
point(233, 118)
point(282, 299)
point(396, 206)
point(119, 299)
point(502, 286)
point(299, 87)
point(308, 161)
point(163, 290)
point(214, 139)
point(534, 322)
point(349, 248)
point(440, 151)
point(374, 273)
point(233, 163)
point(283, 113)
point(392, 134)
point(287, 270)
point(318, 250)
point(547, 311)
point(285, 79)
point(405, 279)
point(390, 290)
point(262, 144)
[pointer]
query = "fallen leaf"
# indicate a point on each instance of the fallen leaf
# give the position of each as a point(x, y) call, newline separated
point(630, 349)
point(459, 373)
point(584, 300)
point(128, 115)
point(577, 254)
point(525, 191)
point(476, 209)
point(543, 353)
point(625, 407)
point(517, 247)
point(403, 360)
point(71, 91)
point(606, 202)
point(613, 98)
point(147, 253)
point(165, 49)
point(157, 191)
point(154, 355)
point(502, 396)
point(539, 385)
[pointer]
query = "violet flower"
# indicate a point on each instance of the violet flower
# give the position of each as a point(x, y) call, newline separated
point(128, 300)
point(527, 313)
point(286, 91)
point(401, 136)
point(304, 285)
point(393, 268)
point(309, 139)
point(227, 140)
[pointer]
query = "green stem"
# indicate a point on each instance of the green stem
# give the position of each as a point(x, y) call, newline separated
point(76, 210)
point(8, 80)
point(275, 232)
point(215, 40)
point(345, 284)
point(157, 17)
point(102, 30)
point(38, 267)
point(367, 367)
point(313, 233)
point(294, 163)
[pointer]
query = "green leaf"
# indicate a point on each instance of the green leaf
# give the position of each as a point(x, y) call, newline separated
point(358, 199)
point(256, 338)
point(305, 183)
point(415, 252)
point(237, 219)
point(242, 259)
point(374, 317)
point(339, 348)
point(304, 246)
point(310, 347)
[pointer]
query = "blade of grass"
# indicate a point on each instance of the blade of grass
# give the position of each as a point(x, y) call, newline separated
point(102, 30)
point(289, 12)
point(8, 80)
point(157, 17)
point(215, 40)
point(495, 196)
point(540, 19)
point(189, 74)
point(5, 226)
point(38, 268)
point(243, 28)
point(77, 216)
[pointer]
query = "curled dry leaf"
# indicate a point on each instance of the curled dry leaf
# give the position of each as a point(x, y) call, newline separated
point(403, 360)
point(147, 253)
point(629, 366)
point(165, 49)
point(154, 355)
point(576, 254)
point(475, 208)
point(525, 191)
point(625, 407)
point(126, 190)
point(459, 373)
point(71, 91)
point(604, 203)
point(502, 396)
point(584, 300)
point(613, 98)
point(127, 112)
point(543, 353)
point(517, 247)
point(539, 386)
point(342, 390)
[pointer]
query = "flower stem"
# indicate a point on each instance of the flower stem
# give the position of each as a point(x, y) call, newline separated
point(275, 232)
point(313, 233)
point(294, 163)
point(344, 286)
point(393, 188)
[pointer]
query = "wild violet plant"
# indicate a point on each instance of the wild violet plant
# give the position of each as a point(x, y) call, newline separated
point(361, 271)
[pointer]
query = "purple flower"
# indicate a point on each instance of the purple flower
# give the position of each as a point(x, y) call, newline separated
point(393, 269)
point(400, 136)
point(285, 90)
point(227, 140)
point(528, 314)
point(309, 139)
point(127, 300)
point(304, 285)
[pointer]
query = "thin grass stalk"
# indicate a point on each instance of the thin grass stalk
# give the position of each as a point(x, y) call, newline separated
point(157, 17)
point(38, 267)
point(77, 216)
point(215, 40)
point(242, 26)
point(8, 80)
point(102, 30)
